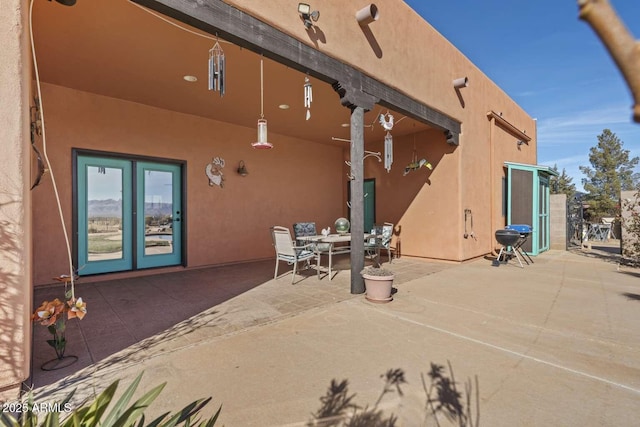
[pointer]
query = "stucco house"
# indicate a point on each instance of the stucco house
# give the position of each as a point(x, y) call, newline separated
point(118, 101)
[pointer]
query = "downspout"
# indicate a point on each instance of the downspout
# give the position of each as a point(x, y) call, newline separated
point(492, 183)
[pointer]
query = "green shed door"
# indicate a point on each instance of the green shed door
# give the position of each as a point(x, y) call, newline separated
point(369, 202)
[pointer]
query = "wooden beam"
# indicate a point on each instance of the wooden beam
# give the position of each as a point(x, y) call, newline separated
point(504, 124)
point(218, 18)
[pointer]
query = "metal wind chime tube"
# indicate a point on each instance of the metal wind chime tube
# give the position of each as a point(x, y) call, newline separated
point(388, 152)
point(308, 96)
point(217, 69)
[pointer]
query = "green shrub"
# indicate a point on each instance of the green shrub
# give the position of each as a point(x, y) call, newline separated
point(94, 413)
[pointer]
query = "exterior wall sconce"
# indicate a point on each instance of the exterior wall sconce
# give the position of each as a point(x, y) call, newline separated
point(461, 82)
point(66, 2)
point(521, 142)
point(307, 16)
point(242, 169)
point(367, 15)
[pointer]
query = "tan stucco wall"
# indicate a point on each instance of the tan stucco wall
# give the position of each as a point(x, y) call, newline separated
point(296, 181)
point(15, 210)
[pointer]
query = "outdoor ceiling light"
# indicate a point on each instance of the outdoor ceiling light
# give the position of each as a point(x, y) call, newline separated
point(307, 16)
point(66, 2)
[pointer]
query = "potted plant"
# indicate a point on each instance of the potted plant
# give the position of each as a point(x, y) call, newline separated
point(378, 284)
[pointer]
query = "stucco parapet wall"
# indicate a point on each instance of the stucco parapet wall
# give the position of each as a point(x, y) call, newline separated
point(400, 36)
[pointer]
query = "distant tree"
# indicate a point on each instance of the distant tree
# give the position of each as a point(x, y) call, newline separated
point(562, 184)
point(611, 171)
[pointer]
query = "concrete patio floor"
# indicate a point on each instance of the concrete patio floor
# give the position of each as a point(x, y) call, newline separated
point(554, 343)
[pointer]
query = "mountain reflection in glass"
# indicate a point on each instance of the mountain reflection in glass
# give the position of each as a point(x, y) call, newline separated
point(158, 210)
point(104, 212)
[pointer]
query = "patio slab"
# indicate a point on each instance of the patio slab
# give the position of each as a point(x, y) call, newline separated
point(553, 343)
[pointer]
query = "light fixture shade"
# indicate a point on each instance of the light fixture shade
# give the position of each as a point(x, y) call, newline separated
point(262, 136)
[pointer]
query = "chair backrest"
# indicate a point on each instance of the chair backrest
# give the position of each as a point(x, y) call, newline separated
point(387, 234)
point(301, 229)
point(376, 237)
point(282, 240)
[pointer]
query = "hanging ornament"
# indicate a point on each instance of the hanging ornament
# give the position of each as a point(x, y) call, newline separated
point(262, 122)
point(415, 163)
point(388, 152)
point(308, 96)
point(217, 67)
point(387, 123)
point(213, 171)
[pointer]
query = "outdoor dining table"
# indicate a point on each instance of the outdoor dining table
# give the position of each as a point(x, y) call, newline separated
point(332, 239)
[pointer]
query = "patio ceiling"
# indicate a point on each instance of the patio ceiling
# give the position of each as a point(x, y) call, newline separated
point(116, 48)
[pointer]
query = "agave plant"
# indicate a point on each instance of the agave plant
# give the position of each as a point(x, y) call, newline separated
point(94, 413)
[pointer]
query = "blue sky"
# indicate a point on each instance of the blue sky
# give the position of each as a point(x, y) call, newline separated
point(551, 63)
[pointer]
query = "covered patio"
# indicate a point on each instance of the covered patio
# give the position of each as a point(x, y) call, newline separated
point(534, 343)
point(165, 312)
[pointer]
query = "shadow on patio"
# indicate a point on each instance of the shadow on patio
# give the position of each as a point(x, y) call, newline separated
point(132, 319)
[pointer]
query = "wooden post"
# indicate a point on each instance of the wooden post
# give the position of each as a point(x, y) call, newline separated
point(357, 199)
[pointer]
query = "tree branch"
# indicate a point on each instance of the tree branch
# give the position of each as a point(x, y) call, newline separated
point(621, 45)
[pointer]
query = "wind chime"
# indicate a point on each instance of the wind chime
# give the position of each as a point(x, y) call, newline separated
point(388, 152)
point(262, 122)
point(217, 69)
point(416, 164)
point(308, 96)
point(387, 124)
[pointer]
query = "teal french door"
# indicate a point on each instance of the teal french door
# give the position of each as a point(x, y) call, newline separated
point(128, 214)
point(543, 215)
point(159, 215)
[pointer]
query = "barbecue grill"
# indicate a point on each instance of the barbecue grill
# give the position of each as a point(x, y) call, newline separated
point(510, 240)
point(525, 231)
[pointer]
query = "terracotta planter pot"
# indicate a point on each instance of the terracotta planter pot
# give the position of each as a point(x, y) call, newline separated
point(378, 288)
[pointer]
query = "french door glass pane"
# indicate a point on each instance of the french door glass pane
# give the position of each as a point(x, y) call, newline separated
point(104, 213)
point(158, 212)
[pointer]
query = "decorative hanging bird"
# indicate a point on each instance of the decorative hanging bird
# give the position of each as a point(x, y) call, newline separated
point(387, 124)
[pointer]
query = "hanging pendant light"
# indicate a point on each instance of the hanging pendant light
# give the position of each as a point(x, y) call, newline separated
point(262, 122)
